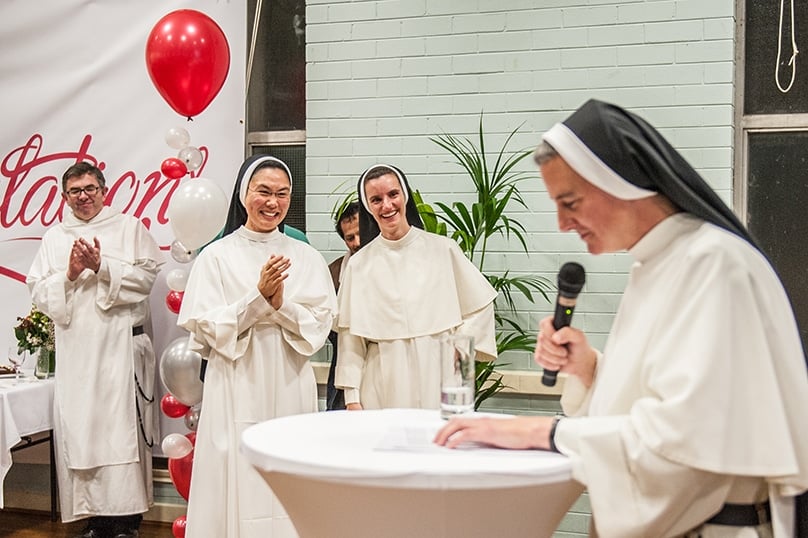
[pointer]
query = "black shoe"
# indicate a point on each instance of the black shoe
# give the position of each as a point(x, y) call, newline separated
point(90, 533)
point(125, 526)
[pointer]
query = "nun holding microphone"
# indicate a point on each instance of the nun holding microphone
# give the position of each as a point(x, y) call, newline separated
point(691, 421)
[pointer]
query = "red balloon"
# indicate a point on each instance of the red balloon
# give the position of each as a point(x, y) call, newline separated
point(178, 527)
point(179, 469)
point(172, 407)
point(191, 437)
point(174, 300)
point(188, 58)
point(173, 168)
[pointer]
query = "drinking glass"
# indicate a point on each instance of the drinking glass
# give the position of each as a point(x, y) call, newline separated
point(16, 358)
point(457, 375)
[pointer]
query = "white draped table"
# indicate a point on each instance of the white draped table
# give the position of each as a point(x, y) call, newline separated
point(367, 474)
point(26, 408)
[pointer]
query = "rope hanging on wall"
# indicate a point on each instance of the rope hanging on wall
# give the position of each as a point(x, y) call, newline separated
point(793, 60)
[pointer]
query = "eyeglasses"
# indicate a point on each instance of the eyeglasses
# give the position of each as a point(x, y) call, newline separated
point(267, 194)
point(89, 190)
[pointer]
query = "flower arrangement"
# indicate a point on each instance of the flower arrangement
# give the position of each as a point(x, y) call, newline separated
point(35, 331)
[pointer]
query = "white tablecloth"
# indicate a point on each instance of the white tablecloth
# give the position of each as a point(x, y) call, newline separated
point(25, 408)
point(376, 473)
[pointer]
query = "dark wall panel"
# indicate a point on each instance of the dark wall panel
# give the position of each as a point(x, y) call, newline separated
point(778, 210)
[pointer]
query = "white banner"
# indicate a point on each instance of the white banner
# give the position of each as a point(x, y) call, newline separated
point(75, 86)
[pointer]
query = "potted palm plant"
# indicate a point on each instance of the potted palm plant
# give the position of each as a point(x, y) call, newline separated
point(497, 188)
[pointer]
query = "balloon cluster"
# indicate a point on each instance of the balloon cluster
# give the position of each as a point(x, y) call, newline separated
point(179, 371)
point(188, 159)
point(176, 280)
point(197, 211)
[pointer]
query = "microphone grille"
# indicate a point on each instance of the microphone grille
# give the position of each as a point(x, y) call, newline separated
point(571, 279)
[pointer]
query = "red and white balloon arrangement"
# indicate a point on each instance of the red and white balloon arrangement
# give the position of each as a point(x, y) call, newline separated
point(179, 371)
point(188, 59)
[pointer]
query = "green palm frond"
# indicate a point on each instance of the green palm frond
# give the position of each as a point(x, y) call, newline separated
point(525, 285)
point(511, 336)
point(347, 194)
point(495, 188)
point(515, 341)
point(486, 382)
point(428, 215)
point(487, 183)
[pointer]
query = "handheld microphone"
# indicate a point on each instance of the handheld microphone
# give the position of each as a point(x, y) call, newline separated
point(570, 281)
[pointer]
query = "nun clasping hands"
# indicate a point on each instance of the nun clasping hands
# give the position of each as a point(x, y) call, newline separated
point(270, 282)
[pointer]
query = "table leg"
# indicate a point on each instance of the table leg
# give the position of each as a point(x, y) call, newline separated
point(52, 476)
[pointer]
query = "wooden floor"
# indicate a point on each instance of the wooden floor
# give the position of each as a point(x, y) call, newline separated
point(17, 524)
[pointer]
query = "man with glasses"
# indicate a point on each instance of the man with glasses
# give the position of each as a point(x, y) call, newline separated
point(93, 275)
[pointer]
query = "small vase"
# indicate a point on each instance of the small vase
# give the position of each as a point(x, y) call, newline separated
point(45, 363)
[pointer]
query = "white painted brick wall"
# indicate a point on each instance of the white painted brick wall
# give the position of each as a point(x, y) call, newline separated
point(383, 76)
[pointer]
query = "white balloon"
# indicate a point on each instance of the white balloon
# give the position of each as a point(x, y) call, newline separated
point(177, 138)
point(176, 445)
point(177, 279)
point(179, 371)
point(181, 253)
point(191, 156)
point(197, 212)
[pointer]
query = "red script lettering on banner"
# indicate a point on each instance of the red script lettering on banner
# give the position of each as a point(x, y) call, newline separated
point(31, 197)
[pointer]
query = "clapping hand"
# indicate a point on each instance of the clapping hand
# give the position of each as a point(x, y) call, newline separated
point(83, 256)
point(270, 283)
